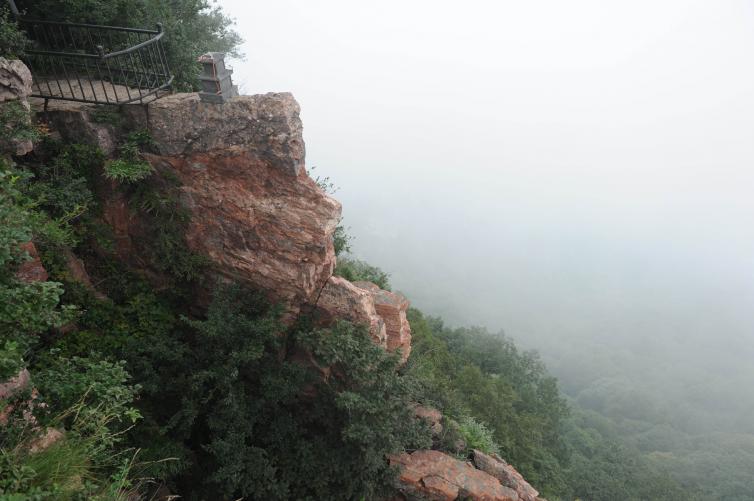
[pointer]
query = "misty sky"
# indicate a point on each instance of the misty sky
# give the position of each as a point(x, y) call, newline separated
point(561, 170)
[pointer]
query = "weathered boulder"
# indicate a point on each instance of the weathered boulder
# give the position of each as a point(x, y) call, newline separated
point(15, 80)
point(342, 299)
point(253, 209)
point(505, 473)
point(267, 127)
point(392, 308)
point(15, 385)
point(431, 416)
point(15, 88)
point(435, 476)
point(45, 439)
point(31, 270)
point(84, 123)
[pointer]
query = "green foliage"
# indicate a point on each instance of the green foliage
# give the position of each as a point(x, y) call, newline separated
point(469, 373)
point(12, 40)
point(63, 178)
point(11, 359)
point(166, 223)
point(25, 308)
point(341, 240)
point(477, 436)
point(89, 399)
point(29, 308)
point(129, 167)
point(15, 122)
point(192, 27)
point(229, 395)
point(97, 388)
point(355, 270)
point(127, 171)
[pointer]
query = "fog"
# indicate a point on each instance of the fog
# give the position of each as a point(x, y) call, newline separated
point(578, 174)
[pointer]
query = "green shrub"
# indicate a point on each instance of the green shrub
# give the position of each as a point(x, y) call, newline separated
point(15, 122)
point(477, 436)
point(258, 423)
point(91, 401)
point(127, 171)
point(341, 240)
point(12, 39)
point(355, 271)
point(129, 167)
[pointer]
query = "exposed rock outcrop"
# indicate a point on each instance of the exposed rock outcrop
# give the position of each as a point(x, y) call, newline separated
point(31, 270)
point(15, 80)
point(431, 416)
point(261, 220)
point(435, 476)
point(392, 307)
point(507, 475)
point(342, 299)
point(14, 385)
point(266, 127)
point(253, 209)
point(15, 88)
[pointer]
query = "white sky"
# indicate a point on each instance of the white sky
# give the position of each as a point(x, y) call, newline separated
point(579, 168)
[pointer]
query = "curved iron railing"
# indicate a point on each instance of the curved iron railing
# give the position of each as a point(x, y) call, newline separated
point(95, 64)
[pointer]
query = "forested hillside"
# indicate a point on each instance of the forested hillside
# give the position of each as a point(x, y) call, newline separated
point(152, 376)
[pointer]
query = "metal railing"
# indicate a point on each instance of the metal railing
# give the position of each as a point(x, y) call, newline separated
point(95, 64)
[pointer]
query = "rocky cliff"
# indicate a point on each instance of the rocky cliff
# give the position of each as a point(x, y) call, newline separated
point(259, 218)
point(254, 211)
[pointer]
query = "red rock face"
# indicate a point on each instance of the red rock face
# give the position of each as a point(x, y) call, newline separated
point(32, 270)
point(392, 308)
point(257, 222)
point(506, 474)
point(342, 299)
point(253, 209)
point(435, 476)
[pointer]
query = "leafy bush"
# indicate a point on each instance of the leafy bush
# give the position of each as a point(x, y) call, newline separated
point(478, 436)
point(25, 308)
point(127, 171)
point(341, 240)
point(260, 423)
point(15, 123)
point(355, 271)
point(94, 405)
point(129, 167)
point(12, 40)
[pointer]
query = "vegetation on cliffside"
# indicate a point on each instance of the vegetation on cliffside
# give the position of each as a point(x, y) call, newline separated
point(221, 399)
